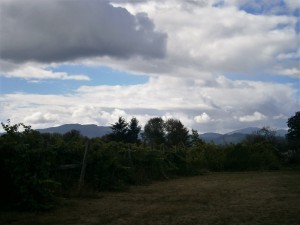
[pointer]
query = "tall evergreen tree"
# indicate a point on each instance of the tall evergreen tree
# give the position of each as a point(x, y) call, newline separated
point(133, 131)
point(119, 130)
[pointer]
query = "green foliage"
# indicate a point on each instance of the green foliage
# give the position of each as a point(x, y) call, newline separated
point(176, 133)
point(106, 168)
point(293, 137)
point(31, 164)
point(25, 170)
point(115, 165)
point(294, 128)
point(72, 136)
point(251, 156)
point(133, 131)
point(171, 132)
point(124, 132)
point(195, 138)
point(154, 133)
point(119, 130)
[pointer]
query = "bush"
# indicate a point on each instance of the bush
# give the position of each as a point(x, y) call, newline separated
point(251, 156)
point(25, 170)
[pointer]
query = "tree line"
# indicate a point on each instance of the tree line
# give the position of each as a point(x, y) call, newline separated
point(36, 168)
point(156, 132)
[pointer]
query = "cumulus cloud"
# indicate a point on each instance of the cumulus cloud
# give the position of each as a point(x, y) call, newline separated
point(203, 118)
point(208, 36)
point(60, 30)
point(215, 37)
point(41, 118)
point(256, 116)
point(218, 106)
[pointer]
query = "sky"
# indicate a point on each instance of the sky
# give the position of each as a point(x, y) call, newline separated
point(216, 65)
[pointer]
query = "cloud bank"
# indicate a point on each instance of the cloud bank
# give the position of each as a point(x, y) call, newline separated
point(56, 31)
point(220, 106)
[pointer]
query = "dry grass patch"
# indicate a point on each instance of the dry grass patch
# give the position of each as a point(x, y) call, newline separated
point(217, 198)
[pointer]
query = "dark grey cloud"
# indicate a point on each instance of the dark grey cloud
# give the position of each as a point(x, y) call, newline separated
point(61, 30)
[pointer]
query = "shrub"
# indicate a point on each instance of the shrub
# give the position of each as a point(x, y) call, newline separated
point(25, 169)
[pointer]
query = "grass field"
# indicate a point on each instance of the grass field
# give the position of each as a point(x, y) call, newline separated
point(216, 198)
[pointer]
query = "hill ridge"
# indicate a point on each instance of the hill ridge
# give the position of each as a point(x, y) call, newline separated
point(93, 130)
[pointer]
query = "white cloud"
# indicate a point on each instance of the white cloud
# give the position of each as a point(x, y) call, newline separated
point(280, 116)
point(215, 39)
point(293, 4)
point(198, 104)
point(30, 72)
point(35, 72)
point(289, 55)
point(203, 118)
point(41, 118)
point(256, 116)
point(292, 72)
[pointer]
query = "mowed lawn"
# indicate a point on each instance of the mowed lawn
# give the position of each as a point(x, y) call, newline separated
point(216, 198)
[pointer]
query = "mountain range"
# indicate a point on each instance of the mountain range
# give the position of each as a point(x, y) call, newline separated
point(92, 130)
point(89, 130)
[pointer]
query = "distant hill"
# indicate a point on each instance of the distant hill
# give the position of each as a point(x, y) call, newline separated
point(89, 130)
point(235, 136)
point(248, 130)
point(208, 137)
point(92, 130)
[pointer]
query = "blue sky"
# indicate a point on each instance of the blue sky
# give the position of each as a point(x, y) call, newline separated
point(97, 76)
point(215, 65)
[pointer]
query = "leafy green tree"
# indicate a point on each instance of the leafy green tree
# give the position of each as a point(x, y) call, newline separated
point(176, 133)
point(13, 130)
point(268, 134)
point(154, 132)
point(293, 136)
point(265, 134)
point(133, 131)
point(195, 138)
point(72, 135)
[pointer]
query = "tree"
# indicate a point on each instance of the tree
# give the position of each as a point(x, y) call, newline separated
point(154, 133)
point(133, 131)
point(195, 138)
point(72, 135)
point(14, 129)
point(293, 136)
point(176, 133)
point(119, 130)
point(265, 134)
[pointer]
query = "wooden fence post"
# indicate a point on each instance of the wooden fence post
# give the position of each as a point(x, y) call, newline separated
point(82, 173)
